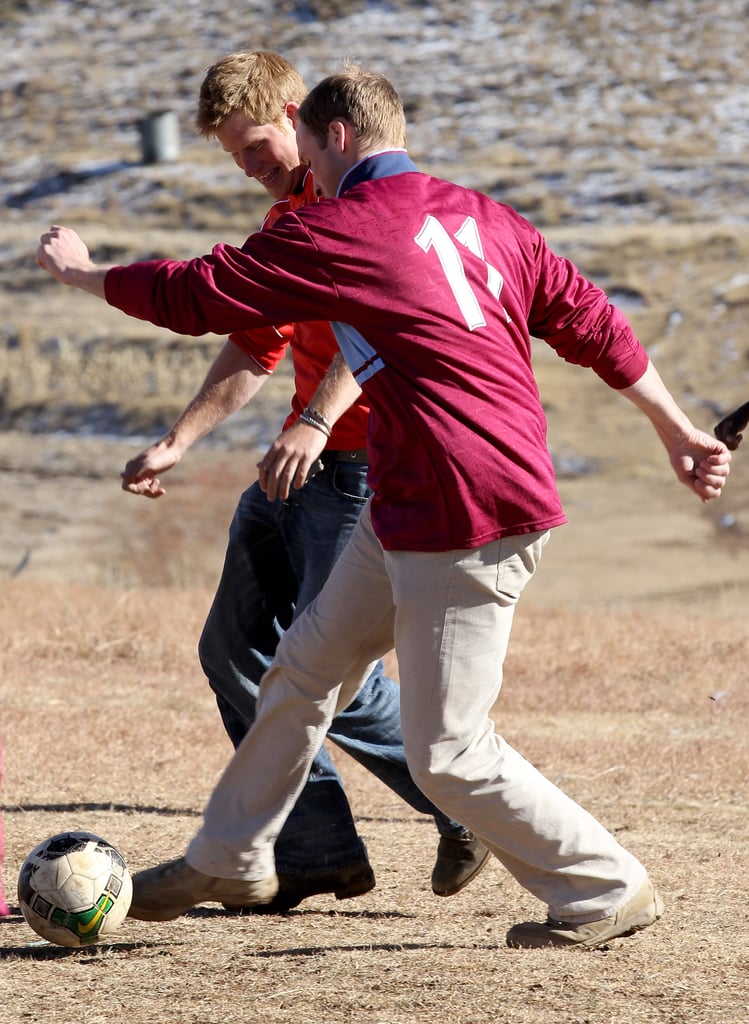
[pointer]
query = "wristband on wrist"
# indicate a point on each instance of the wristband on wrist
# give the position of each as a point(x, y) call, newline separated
point(316, 419)
point(305, 418)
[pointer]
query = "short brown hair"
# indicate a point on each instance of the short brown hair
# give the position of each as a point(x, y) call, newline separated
point(368, 101)
point(258, 83)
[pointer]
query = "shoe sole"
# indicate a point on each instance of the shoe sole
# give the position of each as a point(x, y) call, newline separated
point(466, 881)
point(139, 913)
point(285, 900)
point(173, 911)
point(642, 919)
point(646, 917)
point(142, 914)
point(356, 887)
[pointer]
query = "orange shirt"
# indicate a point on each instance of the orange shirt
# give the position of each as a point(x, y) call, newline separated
point(312, 346)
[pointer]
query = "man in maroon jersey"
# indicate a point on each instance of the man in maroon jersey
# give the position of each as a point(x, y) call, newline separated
point(435, 292)
point(280, 552)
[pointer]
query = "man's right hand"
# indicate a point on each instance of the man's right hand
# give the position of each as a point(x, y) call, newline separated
point(141, 474)
point(64, 255)
point(289, 460)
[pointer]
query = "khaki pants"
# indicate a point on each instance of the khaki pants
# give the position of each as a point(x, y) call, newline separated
point(449, 615)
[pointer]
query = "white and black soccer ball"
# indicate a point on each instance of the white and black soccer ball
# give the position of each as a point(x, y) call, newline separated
point(74, 889)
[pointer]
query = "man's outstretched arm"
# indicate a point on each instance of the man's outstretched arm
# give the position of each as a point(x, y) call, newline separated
point(700, 461)
point(64, 255)
point(232, 380)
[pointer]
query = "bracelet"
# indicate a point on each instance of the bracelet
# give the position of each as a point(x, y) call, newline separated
point(304, 418)
point(318, 419)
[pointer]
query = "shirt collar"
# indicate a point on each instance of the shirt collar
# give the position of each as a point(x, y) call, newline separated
point(382, 164)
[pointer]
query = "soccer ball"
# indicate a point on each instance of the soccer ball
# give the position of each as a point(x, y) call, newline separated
point(74, 889)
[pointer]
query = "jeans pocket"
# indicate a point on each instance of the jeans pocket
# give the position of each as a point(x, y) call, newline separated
point(350, 481)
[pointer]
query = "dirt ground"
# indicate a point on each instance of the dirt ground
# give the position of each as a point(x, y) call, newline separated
point(640, 714)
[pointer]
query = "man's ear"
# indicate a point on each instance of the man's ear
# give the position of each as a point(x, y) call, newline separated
point(340, 135)
point(291, 111)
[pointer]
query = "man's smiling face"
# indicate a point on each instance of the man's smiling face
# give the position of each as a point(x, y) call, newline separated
point(266, 152)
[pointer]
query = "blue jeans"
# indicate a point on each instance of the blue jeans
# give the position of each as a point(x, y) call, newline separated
point(278, 557)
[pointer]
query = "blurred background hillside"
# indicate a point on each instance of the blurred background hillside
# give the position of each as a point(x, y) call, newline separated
point(620, 128)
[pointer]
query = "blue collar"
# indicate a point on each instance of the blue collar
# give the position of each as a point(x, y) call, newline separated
point(377, 165)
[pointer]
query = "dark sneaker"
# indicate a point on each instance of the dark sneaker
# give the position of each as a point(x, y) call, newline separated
point(168, 890)
point(354, 880)
point(458, 862)
point(645, 908)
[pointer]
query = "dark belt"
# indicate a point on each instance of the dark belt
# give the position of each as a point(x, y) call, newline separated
point(350, 455)
point(329, 457)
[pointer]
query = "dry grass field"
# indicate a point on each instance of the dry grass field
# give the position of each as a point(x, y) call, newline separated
point(638, 712)
point(626, 684)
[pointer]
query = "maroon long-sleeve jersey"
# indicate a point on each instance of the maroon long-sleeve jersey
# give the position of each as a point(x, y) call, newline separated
point(434, 292)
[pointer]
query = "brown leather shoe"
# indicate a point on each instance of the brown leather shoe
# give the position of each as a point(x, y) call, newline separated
point(168, 890)
point(458, 862)
point(344, 884)
point(644, 909)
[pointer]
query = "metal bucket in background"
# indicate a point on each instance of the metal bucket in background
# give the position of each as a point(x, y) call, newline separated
point(159, 137)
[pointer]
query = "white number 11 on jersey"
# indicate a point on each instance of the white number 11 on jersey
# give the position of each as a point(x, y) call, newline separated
point(433, 235)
